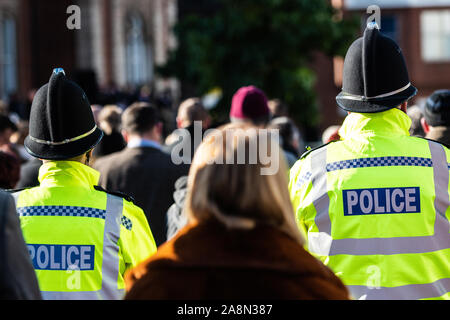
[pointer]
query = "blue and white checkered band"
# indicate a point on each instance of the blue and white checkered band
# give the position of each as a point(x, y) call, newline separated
point(68, 211)
point(126, 223)
point(61, 211)
point(304, 178)
point(379, 162)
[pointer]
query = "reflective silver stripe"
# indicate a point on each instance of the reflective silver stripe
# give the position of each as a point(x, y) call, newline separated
point(319, 242)
point(51, 143)
point(80, 295)
point(322, 244)
point(406, 292)
point(346, 95)
point(110, 259)
point(321, 200)
point(110, 263)
point(389, 246)
point(441, 179)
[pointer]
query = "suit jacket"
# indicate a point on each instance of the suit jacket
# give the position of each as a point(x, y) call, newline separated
point(209, 261)
point(148, 175)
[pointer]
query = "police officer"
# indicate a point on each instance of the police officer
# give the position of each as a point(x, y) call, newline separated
point(375, 205)
point(81, 239)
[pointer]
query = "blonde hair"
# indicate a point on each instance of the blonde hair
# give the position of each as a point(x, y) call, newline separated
point(238, 195)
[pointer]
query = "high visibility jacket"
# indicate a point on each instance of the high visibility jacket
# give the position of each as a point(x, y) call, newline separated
point(81, 240)
point(375, 208)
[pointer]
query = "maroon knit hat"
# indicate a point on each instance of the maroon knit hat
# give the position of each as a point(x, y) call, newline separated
point(249, 103)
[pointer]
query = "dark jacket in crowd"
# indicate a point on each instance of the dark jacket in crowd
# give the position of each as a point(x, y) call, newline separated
point(17, 276)
point(29, 173)
point(148, 175)
point(207, 261)
point(110, 143)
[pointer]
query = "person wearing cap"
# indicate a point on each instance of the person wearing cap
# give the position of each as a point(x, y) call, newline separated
point(250, 105)
point(436, 117)
point(81, 238)
point(375, 204)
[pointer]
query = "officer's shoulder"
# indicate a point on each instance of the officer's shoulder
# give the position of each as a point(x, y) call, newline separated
point(16, 190)
point(428, 139)
point(309, 151)
point(116, 193)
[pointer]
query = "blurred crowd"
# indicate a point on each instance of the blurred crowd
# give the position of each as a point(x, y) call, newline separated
point(161, 182)
point(21, 168)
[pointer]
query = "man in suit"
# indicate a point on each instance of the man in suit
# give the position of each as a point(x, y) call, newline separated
point(142, 169)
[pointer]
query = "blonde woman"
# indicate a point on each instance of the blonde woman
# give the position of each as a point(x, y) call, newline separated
point(241, 241)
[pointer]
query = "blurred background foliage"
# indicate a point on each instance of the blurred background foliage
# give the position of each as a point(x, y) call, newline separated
point(267, 43)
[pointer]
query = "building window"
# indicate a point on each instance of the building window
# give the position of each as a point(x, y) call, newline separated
point(8, 56)
point(139, 64)
point(435, 35)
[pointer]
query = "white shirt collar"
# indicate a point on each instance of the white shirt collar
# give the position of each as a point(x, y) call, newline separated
point(136, 143)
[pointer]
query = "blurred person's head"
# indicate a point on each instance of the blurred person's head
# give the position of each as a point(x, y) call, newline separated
point(331, 134)
point(7, 128)
point(96, 108)
point(141, 120)
point(9, 170)
point(18, 137)
point(109, 118)
point(249, 105)
point(436, 111)
point(416, 115)
point(289, 134)
point(239, 195)
point(18, 140)
point(145, 92)
point(278, 108)
point(191, 110)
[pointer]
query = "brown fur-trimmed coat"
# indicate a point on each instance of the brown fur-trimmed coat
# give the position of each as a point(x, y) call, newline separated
point(206, 261)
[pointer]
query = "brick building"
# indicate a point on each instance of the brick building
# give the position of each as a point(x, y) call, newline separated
point(120, 40)
point(421, 28)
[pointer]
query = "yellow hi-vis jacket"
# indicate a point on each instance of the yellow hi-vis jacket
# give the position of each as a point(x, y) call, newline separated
point(81, 240)
point(375, 208)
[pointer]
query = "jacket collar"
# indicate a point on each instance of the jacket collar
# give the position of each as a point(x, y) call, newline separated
point(392, 122)
point(67, 173)
point(139, 143)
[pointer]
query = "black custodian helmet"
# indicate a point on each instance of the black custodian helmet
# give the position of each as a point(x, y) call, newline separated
point(61, 125)
point(375, 76)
